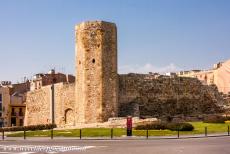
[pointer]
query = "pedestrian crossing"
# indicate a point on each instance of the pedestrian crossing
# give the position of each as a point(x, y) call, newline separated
point(32, 149)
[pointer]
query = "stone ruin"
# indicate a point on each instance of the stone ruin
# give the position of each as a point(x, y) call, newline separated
point(96, 72)
point(100, 94)
point(143, 95)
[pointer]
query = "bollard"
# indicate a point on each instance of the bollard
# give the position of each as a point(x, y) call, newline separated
point(3, 135)
point(24, 134)
point(178, 133)
point(80, 134)
point(52, 133)
point(228, 130)
point(147, 134)
point(111, 133)
point(206, 131)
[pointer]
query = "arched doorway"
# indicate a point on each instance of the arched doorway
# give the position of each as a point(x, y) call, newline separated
point(69, 117)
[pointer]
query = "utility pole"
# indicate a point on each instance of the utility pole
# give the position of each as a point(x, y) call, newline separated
point(52, 102)
point(52, 95)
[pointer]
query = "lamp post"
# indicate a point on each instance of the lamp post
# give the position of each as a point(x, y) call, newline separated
point(52, 81)
point(52, 103)
point(52, 97)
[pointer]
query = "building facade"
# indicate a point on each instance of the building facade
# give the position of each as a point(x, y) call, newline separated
point(219, 75)
point(12, 103)
point(13, 97)
point(40, 80)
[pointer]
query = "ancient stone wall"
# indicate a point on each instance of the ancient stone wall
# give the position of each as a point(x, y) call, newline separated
point(99, 93)
point(96, 71)
point(38, 105)
point(139, 95)
point(165, 96)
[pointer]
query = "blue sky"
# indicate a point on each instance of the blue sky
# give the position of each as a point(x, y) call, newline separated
point(153, 35)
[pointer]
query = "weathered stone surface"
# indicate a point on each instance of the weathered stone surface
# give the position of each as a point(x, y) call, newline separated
point(100, 93)
point(38, 105)
point(118, 122)
point(166, 96)
point(96, 71)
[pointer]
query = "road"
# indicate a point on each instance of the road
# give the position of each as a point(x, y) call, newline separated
point(212, 145)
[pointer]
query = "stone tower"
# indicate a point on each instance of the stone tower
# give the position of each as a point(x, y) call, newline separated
point(96, 71)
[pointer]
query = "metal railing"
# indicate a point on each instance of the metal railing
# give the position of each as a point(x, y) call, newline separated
point(13, 113)
point(142, 134)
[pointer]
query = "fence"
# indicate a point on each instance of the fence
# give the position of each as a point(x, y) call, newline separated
point(121, 134)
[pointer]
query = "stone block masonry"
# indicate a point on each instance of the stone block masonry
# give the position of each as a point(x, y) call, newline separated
point(96, 71)
point(99, 93)
point(38, 105)
point(145, 95)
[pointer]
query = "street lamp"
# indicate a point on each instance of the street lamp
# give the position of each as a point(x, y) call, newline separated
point(52, 102)
point(52, 98)
point(52, 95)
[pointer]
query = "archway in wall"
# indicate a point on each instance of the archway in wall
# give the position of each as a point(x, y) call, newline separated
point(69, 117)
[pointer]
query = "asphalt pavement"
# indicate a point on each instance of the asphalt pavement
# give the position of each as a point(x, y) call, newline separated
point(211, 145)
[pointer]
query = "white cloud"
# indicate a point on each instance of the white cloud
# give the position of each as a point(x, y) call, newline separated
point(146, 68)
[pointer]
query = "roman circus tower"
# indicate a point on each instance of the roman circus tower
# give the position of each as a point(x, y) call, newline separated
point(96, 71)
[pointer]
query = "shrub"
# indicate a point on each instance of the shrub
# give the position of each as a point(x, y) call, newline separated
point(169, 119)
point(163, 126)
point(180, 126)
point(152, 126)
point(31, 127)
point(215, 119)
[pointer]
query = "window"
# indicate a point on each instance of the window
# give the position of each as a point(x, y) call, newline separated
point(0, 102)
point(21, 122)
point(13, 112)
point(205, 78)
point(20, 112)
point(13, 121)
point(93, 61)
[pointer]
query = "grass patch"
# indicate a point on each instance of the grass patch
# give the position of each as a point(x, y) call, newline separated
point(106, 132)
point(212, 127)
point(86, 132)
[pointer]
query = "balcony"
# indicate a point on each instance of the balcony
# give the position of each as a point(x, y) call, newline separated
point(13, 114)
point(21, 114)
